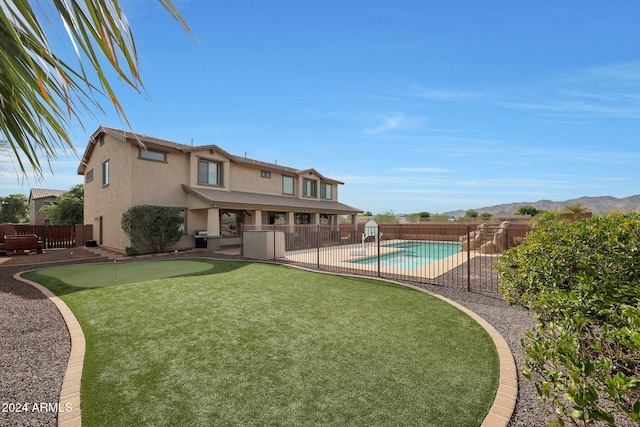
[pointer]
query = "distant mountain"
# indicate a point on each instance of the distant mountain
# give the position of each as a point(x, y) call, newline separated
point(594, 204)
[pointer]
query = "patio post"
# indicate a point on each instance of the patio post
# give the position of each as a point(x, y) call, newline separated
point(274, 242)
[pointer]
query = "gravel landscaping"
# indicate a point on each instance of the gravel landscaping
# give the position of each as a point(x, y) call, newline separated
point(35, 343)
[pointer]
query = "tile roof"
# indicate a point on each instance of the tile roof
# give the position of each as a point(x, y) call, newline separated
point(39, 193)
point(151, 142)
point(269, 201)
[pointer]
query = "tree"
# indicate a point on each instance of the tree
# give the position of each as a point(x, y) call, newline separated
point(388, 217)
point(40, 93)
point(527, 210)
point(152, 228)
point(413, 218)
point(68, 209)
point(471, 213)
point(13, 208)
point(581, 279)
point(439, 218)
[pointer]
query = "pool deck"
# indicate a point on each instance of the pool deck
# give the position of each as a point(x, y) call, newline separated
point(345, 257)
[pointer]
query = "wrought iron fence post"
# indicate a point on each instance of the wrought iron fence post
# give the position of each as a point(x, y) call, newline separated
point(378, 241)
point(318, 246)
point(468, 258)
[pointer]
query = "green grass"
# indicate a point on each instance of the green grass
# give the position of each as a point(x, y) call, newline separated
point(256, 344)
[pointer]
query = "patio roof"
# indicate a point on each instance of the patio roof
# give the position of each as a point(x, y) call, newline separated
point(272, 202)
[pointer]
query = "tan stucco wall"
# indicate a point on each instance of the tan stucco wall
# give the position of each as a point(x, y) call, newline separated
point(109, 202)
point(132, 181)
point(159, 183)
point(248, 179)
point(208, 155)
point(36, 217)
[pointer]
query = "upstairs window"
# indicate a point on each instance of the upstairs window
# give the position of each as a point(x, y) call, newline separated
point(287, 185)
point(209, 172)
point(326, 191)
point(156, 156)
point(309, 188)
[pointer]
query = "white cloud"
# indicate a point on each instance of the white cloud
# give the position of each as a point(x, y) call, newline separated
point(425, 170)
point(418, 91)
point(388, 123)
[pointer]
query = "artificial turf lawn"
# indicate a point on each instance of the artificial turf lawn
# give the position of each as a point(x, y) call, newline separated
point(258, 344)
point(110, 274)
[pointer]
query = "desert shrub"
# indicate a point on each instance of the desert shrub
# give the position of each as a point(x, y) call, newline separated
point(582, 281)
point(152, 228)
point(130, 251)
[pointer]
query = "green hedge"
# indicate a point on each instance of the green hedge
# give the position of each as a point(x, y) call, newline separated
point(582, 281)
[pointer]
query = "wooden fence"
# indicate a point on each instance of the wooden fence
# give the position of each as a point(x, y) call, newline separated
point(52, 236)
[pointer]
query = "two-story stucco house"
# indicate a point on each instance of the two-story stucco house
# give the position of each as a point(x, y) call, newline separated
point(38, 197)
point(216, 191)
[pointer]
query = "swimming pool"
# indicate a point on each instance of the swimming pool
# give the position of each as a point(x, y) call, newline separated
point(413, 254)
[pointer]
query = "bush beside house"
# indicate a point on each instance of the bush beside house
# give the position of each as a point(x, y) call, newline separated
point(152, 228)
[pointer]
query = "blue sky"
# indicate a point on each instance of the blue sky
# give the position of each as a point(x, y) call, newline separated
point(415, 105)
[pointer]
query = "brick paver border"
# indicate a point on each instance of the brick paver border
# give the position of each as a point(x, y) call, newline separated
point(507, 394)
point(70, 414)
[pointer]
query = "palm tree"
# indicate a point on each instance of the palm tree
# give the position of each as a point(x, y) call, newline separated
point(574, 212)
point(39, 92)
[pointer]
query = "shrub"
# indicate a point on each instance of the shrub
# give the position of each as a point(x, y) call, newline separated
point(152, 228)
point(131, 251)
point(582, 280)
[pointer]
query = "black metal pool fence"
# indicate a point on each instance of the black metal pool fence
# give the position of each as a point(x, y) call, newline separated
point(453, 255)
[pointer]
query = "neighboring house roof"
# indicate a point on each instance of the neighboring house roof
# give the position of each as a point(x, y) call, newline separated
point(41, 193)
point(269, 200)
point(164, 145)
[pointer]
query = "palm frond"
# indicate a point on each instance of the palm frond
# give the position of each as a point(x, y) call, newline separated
point(40, 94)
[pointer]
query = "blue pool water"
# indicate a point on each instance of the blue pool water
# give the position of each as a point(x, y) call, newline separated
point(414, 254)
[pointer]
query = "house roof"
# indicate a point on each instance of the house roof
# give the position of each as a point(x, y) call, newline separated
point(40, 193)
point(161, 144)
point(242, 200)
